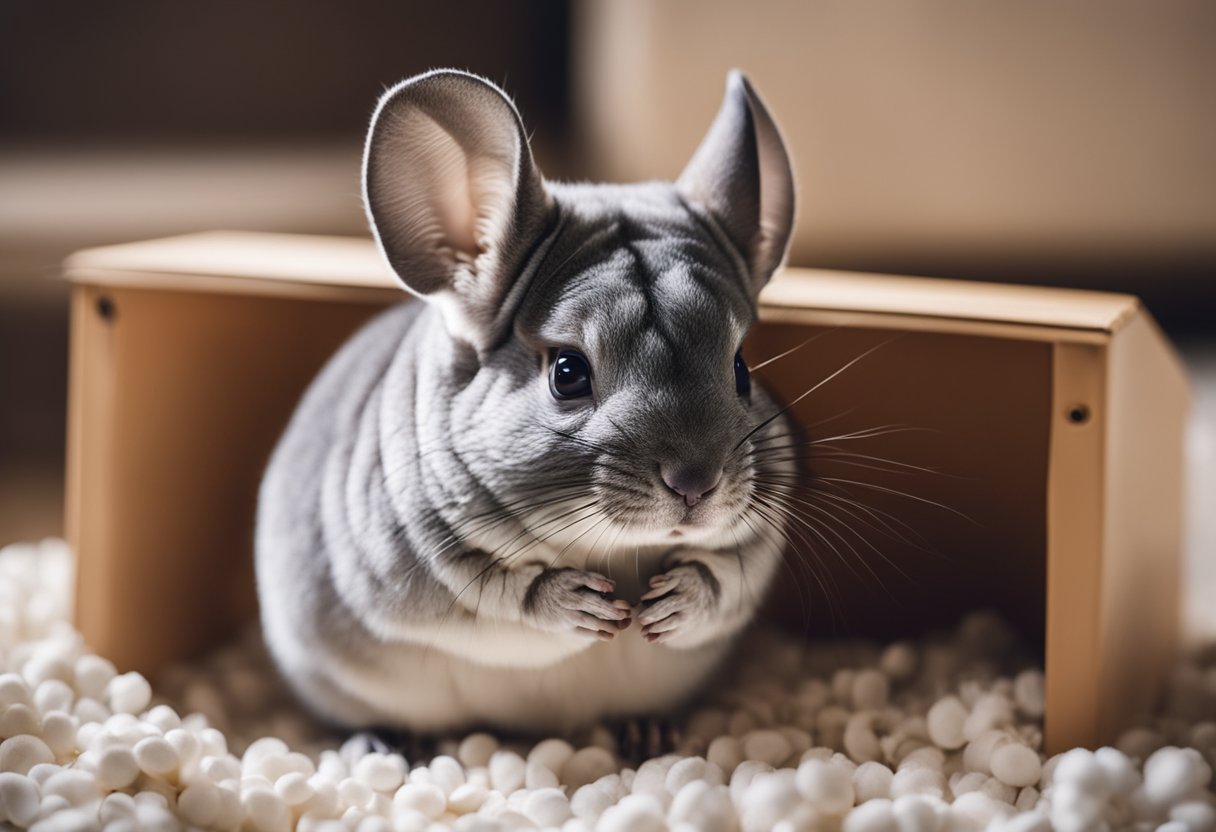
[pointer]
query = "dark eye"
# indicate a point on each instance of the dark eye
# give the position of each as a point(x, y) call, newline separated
point(743, 377)
point(570, 375)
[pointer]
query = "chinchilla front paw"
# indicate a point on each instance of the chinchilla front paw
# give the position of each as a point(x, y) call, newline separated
point(679, 602)
point(571, 599)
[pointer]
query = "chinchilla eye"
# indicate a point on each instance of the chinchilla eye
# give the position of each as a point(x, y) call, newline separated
point(743, 377)
point(570, 375)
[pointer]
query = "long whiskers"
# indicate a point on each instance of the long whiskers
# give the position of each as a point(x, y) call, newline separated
point(813, 388)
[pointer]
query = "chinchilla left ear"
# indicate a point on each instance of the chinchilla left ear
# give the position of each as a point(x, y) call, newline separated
point(741, 175)
point(454, 198)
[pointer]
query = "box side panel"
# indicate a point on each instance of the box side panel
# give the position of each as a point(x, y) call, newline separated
point(1075, 545)
point(178, 399)
point(90, 424)
point(1141, 580)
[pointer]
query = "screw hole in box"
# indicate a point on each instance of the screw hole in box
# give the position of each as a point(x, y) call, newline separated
point(105, 308)
point(1078, 414)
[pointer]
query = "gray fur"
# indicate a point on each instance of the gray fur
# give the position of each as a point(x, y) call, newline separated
point(440, 542)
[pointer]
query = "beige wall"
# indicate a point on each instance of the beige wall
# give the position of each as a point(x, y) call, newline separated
point(1040, 139)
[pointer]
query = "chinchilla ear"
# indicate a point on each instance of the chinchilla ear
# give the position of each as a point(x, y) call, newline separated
point(741, 175)
point(454, 198)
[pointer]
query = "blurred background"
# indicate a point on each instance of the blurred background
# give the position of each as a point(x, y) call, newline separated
point(1031, 141)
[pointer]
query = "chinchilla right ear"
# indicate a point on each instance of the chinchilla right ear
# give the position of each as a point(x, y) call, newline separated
point(454, 198)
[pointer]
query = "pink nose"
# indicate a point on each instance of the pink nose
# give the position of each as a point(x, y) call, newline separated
point(691, 482)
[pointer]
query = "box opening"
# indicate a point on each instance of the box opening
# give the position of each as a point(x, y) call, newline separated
point(883, 547)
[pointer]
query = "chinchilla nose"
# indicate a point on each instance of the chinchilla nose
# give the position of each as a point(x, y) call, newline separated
point(692, 482)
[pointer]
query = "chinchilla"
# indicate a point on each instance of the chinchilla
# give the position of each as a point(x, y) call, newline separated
point(484, 489)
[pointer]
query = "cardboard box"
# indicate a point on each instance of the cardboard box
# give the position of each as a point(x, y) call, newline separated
point(972, 446)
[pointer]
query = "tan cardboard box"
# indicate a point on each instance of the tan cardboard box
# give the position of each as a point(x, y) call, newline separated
point(970, 446)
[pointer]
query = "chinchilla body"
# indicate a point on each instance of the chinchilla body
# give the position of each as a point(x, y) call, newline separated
point(527, 499)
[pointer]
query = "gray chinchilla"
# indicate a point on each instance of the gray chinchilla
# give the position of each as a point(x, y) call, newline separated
point(483, 490)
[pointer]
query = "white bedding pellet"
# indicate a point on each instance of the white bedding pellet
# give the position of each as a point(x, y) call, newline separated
point(163, 718)
point(766, 746)
point(704, 807)
point(467, 798)
point(693, 770)
point(872, 816)
point(1195, 815)
point(14, 690)
point(829, 787)
point(870, 690)
point(507, 770)
point(199, 804)
point(20, 799)
point(265, 811)
point(425, 798)
point(547, 808)
point(1081, 767)
point(91, 675)
point(117, 767)
point(977, 810)
point(927, 757)
point(90, 711)
point(590, 801)
point(1027, 799)
point(918, 780)
point(76, 787)
point(294, 788)
point(990, 711)
point(651, 778)
point(726, 752)
point(872, 781)
point(128, 693)
point(185, 744)
point(115, 806)
point(997, 790)
point(381, 772)
point(1174, 774)
point(446, 773)
point(743, 775)
point(920, 812)
point(54, 695)
point(860, 739)
point(43, 771)
point(44, 666)
point(59, 733)
point(945, 722)
point(21, 753)
point(20, 719)
point(771, 796)
point(1016, 765)
point(551, 753)
point(352, 792)
point(537, 775)
point(842, 687)
point(586, 766)
point(830, 724)
point(977, 756)
point(1029, 693)
point(156, 756)
point(476, 749)
point(634, 813)
point(1121, 775)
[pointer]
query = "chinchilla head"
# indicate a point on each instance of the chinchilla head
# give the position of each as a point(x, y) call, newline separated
point(590, 354)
